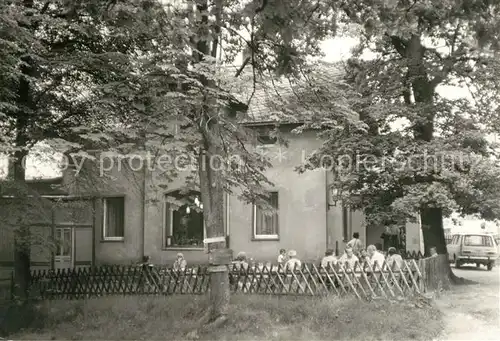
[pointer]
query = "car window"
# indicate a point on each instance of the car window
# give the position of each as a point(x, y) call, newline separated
point(455, 239)
point(489, 241)
point(477, 240)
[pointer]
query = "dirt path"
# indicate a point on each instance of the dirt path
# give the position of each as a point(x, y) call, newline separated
point(472, 312)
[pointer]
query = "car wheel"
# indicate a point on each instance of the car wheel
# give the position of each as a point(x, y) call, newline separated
point(489, 266)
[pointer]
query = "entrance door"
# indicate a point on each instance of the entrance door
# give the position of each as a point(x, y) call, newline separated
point(64, 251)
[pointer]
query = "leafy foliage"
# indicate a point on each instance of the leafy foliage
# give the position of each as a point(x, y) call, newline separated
point(133, 76)
point(411, 147)
point(181, 97)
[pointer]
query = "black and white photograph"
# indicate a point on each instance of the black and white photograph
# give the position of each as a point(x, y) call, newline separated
point(250, 170)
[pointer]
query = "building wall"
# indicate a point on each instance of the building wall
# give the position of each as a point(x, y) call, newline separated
point(99, 180)
point(414, 238)
point(302, 210)
point(302, 206)
point(306, 222)
point(154, 223)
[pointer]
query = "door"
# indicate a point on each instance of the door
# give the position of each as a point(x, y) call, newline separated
point(64, 248)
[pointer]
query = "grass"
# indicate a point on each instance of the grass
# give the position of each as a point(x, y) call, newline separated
point(251, 318)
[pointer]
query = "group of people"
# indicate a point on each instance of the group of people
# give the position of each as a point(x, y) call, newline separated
point(370, 256)
point(354, 253)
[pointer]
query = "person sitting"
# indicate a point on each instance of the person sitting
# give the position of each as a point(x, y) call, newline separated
point(375, 257)
point(394, 260)
point(241, 261)
point(282, 259)
point(348, 259)
point(329, 259)
point(180, 263)
point(363, 256)
point(293, 262)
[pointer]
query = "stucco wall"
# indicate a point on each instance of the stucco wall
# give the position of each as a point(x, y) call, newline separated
point(302, 206)
point(306, 223)
point(414, 238)
point(99, 180)
point(153, 223)
point(302, 216)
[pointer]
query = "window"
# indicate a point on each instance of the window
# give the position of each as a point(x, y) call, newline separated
point(64, 242)
point(183, 224)
point(266, 136)
point(113, 214)
point(265, 224)
point(477, 240)
point(266, 139)
point(454, 240)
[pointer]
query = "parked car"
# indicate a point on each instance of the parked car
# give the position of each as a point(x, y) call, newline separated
point(478, 248)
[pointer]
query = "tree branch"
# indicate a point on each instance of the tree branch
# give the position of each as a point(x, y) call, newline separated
point(399, 44)
point(455, 36)
point(240, 70)
point(45, 7)
point(448, 64)
point(217, 29)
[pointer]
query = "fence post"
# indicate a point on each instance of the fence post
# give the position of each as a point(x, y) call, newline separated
point(423, 273)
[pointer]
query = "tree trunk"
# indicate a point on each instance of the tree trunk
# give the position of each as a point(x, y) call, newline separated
point(423, 93)
point(22, 245)
point(212, 193)
point(432, 230)
point(211, 166)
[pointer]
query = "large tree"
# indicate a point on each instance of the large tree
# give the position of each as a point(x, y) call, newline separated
point(413, 149)
point(153, 67)
point(186, 96)
point(55, 58)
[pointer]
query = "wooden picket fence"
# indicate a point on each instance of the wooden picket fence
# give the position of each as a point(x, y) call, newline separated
point(416, 255)
point(363, 282)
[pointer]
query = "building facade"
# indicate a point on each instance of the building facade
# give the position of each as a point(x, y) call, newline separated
point(116, 214)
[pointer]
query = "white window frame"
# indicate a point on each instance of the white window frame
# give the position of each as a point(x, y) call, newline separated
point(254, 223)
point(168, 229)
point(104, 216)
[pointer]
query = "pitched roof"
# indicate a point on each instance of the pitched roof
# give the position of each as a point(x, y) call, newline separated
point(267, 97)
